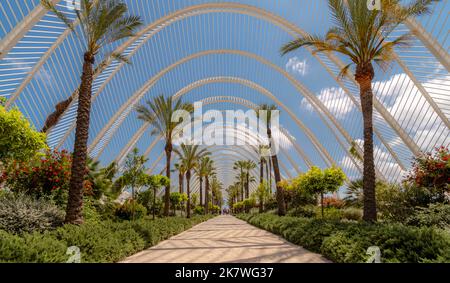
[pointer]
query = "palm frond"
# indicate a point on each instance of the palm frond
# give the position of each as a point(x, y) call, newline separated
point(344, 72)
point(48, 5)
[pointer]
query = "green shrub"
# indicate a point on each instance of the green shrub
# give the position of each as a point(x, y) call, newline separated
point(303, 211)
point(352, 213)
point(437, 215)
point(330, 213)
point(131, 210)
point(31, 248)
point(199, 210)
point(349, 241)
point(23, 214)
point(107, 241)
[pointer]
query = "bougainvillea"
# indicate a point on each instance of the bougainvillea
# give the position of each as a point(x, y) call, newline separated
point(47, 175)
point(432, 170)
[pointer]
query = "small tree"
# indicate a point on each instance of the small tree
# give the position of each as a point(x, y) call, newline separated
point(194, 199)
point(262, 194)
point(175, 201)
point(134, 174)
point(18, 139)
point(154, 183)
point(320, 182)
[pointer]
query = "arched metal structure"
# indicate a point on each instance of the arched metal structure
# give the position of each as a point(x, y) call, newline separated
point(35, 46)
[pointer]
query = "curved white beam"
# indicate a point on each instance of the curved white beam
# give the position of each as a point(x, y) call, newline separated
point(127, 107)
point(429, 42)
point(21, 29)
point(249, 134)
point(290, 28)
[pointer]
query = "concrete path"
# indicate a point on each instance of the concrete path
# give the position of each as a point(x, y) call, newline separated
point(225, 239)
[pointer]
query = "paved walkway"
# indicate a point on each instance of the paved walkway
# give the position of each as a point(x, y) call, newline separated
point(225, 239)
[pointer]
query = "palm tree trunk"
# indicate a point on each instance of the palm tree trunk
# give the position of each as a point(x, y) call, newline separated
point(267, 174)
point(242, 186)
point(276, 170)
point(168, 150)
point(201, 190)
point(364, 76)
point(75, 200)
point(180, 183)
point(261, 171)
point(270, 174)
point(188, 188)
point(207, 195)
point(247, 185)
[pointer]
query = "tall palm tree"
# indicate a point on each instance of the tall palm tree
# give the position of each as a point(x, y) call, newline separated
point(233, 192)
point(190, 155)
point(102, 23)
point(364, 36)
point(262, 152)
point(209, 172)
point(159, 113)
point(274, 158)
point(200, 171)
point(216, 191)
point(249, 165)
point(240, 166)
point(181, 171)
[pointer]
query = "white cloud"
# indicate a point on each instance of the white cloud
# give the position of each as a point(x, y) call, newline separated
point(383, 162)
point(295, 65)
point(334, 99)
point(45, 76)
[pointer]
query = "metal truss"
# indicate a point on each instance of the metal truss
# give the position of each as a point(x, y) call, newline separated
point(131, 46)
point(153, 28)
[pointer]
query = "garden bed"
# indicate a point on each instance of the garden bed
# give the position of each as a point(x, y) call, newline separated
point(108, 241)
point(348, 242)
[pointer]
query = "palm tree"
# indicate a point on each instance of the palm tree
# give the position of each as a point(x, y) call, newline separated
point(249, 165)
point(159, 113)
point(181, 171)
point(364, 36)
point(233, 192)
point(190, 156)
point(102, 23)
point(276, 169)
point(262, 151)
point(240, 166)
point(200, 172)
point(209, 172)
point(216, 191)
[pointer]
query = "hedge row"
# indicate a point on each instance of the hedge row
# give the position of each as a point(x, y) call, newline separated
point(102, 242)
point(347, 242)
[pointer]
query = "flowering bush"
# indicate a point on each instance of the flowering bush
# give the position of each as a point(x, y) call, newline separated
point(47, 175)
point(432, 169)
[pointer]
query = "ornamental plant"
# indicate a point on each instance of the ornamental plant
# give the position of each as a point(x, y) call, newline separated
point(333, 201)
point(320, 182)
point(432, 171)
point(18, 139)
point(46, 175)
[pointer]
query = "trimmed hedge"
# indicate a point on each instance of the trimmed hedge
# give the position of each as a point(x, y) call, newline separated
point(98, 242)
point(347, 242)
